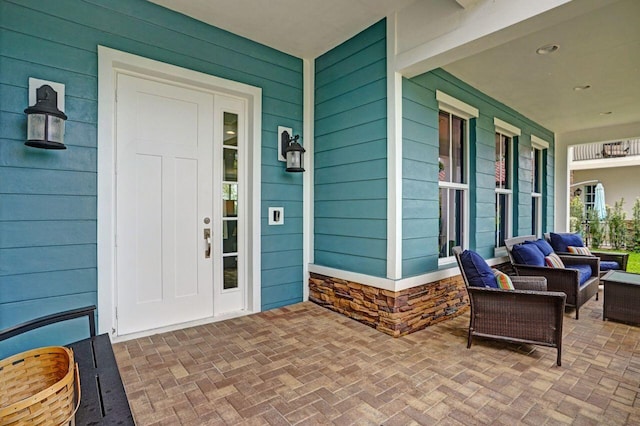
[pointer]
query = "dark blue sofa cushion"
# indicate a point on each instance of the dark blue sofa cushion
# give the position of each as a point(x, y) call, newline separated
point(609, 265)
point(543, 245)
point(561, 242)
point(478, 273)
point(528, 254)
point(584, 271)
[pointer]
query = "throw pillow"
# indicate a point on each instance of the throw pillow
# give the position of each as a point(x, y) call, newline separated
point(579, 250)
point(543, 245)
point(503, 280)
point(527, 254)
point(478, 273)
point(554, 261)
point(560, 242)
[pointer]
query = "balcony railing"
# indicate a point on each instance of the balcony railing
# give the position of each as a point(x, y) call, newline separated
point(599, 150)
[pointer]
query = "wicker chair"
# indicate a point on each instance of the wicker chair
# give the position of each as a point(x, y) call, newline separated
point(529, 314)
point(605, 256)
point(565, 280)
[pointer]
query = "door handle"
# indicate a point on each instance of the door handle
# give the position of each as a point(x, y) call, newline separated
point(207, 238)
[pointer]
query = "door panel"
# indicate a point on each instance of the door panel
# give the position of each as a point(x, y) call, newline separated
point(164, 186)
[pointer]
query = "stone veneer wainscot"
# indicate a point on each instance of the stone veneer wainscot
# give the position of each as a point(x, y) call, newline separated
point(394, 313)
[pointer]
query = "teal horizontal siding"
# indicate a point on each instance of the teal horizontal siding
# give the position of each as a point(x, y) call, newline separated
point(48, 199)
point(420, 175)
point(350, 153)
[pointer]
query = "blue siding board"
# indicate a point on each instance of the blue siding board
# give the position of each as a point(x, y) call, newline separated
point(363, 265)
point(364, 228)
point(366, 56)
point(366, 151)
point(345, 83)
point(13, 153)
point(47, 207)
point(44, 285)
point(361, 209)
point(360, 115)
point(352, 172)
point(361, 96)
point(276, 243)
point(15, 261)
point(276, 294)
point(41, 181)
point(46, 233)
point(366, 132)
point(50, 197)
point(368, 37)
point(359, 190)
point(290, 227)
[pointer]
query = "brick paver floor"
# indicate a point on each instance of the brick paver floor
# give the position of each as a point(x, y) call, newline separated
point(306, 365)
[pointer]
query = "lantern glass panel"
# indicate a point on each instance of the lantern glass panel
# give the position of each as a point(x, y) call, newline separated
point(35, 127)
point(294, 160)
point(56, 129)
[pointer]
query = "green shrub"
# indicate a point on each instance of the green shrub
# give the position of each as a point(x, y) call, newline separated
point(634, 238)
point(617, 225)
point(596, 229)
point(576, 215)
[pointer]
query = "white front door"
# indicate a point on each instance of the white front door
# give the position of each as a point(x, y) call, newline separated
point(169, 239)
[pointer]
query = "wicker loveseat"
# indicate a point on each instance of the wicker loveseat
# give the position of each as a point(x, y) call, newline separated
point(527, 314)
point(567, 279)
point(608, 260)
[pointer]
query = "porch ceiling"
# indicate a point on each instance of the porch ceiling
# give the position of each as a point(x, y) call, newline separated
point(599, 44)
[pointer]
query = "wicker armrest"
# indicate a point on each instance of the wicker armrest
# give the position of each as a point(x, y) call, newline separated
point(529, 283)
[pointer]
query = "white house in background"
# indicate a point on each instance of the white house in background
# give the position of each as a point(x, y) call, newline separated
point(615, 164)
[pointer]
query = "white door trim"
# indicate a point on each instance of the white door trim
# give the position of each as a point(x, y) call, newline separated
point(111, 61)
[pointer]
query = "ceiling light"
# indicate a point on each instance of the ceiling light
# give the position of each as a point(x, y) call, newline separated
point(549, 48)
point(230, 132)
point(580, 88)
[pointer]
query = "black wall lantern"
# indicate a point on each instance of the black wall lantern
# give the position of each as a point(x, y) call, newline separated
point(293, 151)
point(577, 192)
point(45, 122)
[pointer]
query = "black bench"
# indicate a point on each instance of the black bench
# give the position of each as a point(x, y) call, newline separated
point(103, 400)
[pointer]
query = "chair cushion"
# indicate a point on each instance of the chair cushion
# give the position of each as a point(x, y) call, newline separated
point(553, 261)
point(478, 273)
point(609, 265)
point(543, 245)
point(528, 254)
point(503, 280)
point(584, 251)
point(560, 242)
point(584, 272)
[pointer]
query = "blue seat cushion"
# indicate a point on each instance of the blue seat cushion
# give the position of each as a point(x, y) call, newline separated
point(478, 273)
point(584, 272)
point(561, 242)
point(543, 245)
point(528, 254)
point(609, 265)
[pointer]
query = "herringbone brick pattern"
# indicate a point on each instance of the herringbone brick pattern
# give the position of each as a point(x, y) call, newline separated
point(305, 365)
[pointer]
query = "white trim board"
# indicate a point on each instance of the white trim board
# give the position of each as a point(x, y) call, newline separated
point(110, 62)
point(396, 285)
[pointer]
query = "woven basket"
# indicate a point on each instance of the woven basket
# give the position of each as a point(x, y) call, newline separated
point(40, 387)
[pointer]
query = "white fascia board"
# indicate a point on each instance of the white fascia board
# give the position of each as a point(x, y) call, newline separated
point(455, 106)
point(506, 128)
point(539, 143)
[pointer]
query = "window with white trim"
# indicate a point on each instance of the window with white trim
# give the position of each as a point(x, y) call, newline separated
point(589, 197)
point(453, 180)
point(504, 191)
point(505, 134)
point(537, 172)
